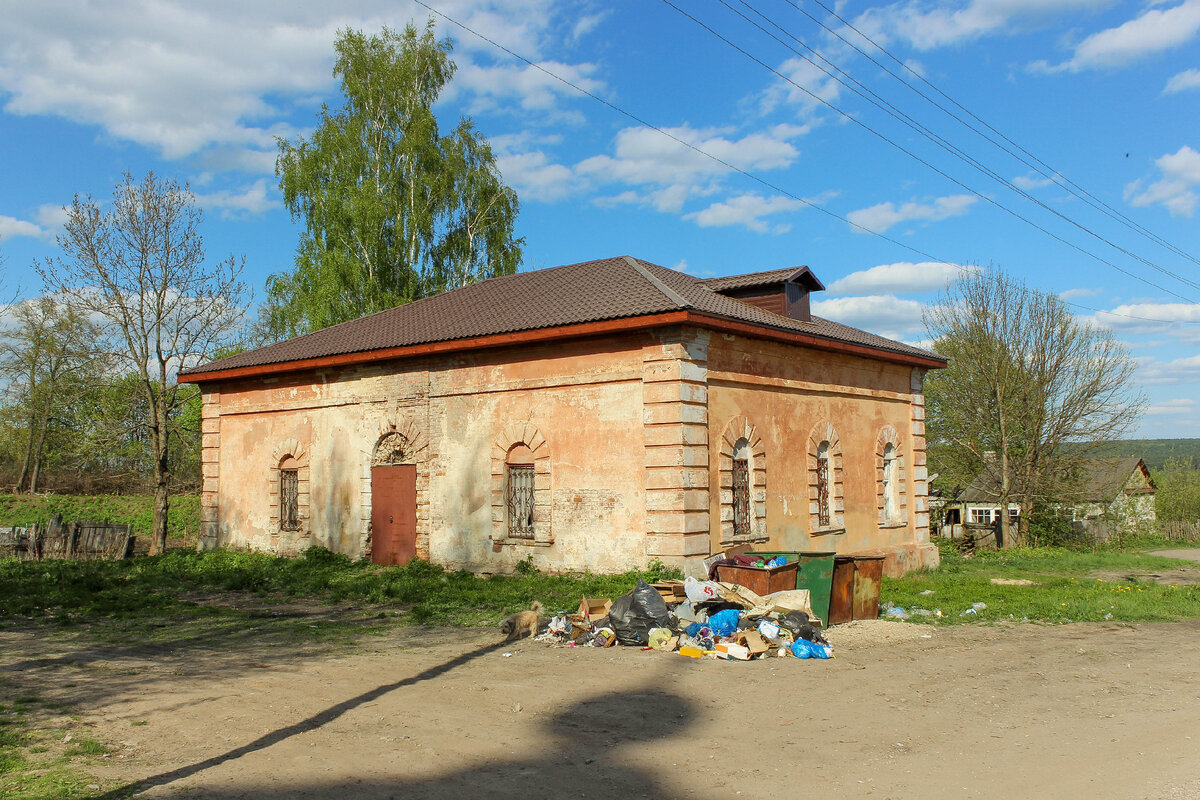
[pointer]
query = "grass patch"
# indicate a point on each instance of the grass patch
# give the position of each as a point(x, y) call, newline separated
point(183, 517)
point(1065, 590)
point(35, 764)
point(145, 591)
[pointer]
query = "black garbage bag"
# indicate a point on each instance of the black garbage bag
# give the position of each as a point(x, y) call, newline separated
point(798, 623)
point(633, 615)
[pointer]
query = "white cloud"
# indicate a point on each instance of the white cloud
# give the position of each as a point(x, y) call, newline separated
point(532, 89)
point(50, 216)
point(1188, 79)
point(806, 86)
point(885, 315)
point(535, 177)
point(11, 228)
point(1179, 321)
point(1153, 372)
point(1071, 294)
point(1033, 180)
point(222, 78)
point(645, 156)
point(1176, 190)
point(253, 199)
point(899, 278)
point(927, 25)
point(1153, 32)
point(1178, 406)
point(880, 217)
point(747, 210)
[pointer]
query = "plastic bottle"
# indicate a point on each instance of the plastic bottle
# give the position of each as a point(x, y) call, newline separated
point(691, 652)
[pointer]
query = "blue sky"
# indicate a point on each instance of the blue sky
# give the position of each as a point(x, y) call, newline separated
point(1102, 96)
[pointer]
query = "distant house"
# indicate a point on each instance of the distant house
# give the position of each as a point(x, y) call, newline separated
point(1117, 490)
point(592, 416)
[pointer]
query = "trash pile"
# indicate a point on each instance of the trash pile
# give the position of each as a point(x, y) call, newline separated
point(699, 619)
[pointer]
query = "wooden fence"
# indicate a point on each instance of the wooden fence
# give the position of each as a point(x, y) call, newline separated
point(1179, 531)
point(81, 539)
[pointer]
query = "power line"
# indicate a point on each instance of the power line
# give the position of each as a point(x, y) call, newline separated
point(1039, 166)
point(890, 109)
point(920, 160)
point(731, 167)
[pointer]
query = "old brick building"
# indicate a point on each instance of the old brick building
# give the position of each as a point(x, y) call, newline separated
point(592, 416)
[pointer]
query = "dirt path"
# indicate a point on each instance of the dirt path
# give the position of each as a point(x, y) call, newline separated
point(1186, 554)
point(1084, 710)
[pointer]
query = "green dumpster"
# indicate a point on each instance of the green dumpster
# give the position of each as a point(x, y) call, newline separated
point(815, 574)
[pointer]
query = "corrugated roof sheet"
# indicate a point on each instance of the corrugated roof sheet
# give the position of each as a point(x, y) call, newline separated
point(1103, 481)
point(592, 291)
point(750, 279)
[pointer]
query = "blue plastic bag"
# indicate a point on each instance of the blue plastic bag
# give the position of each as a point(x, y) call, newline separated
point(777, 561)
point(802, 648)
point(724, 623)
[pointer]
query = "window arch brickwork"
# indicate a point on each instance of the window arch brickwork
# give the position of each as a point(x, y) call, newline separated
point(889, 436)
point(740, 430)
point(825, 434)
point(515, 436)
point(289, 455)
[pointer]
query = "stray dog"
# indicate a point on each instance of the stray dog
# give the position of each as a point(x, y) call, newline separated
point(517, 625)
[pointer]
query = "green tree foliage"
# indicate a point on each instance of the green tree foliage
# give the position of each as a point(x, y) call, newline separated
point(1028, 392)
point(392, 210)
point(48, 357)
point(1178, 495)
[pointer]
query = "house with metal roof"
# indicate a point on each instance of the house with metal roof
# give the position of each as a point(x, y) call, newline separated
point(1113, 491)
point(591, 416)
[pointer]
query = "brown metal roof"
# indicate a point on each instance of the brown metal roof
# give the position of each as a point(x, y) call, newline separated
point(592, 291)
point(1102, 480)
point(750, 279)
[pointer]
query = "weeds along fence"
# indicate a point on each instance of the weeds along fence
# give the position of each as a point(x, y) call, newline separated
point(81, 540)
point(1179, 530)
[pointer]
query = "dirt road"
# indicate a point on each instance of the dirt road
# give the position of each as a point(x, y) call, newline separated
point(1084, 710)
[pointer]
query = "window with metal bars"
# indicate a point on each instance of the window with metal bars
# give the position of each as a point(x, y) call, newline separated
point(289, 499)
point(823, 515)
point(741, 498)
point(520, 501)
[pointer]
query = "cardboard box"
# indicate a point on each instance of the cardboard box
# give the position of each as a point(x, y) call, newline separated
point(735, 651)
point(593, 609)
point(671, 591)
point(753, 641)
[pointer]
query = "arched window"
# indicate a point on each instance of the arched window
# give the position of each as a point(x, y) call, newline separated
point(825, 506)
point(890, 505)
point(289, 495)
point(741, 489)
point(742, 472)
point(519, 480)
point(287, 492)
point(824, 497)
point(521, 488)
point(890, 495)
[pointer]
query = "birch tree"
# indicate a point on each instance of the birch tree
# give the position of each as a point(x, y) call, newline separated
point(1029, 393)
point(48, 354)
point(139, 267)
point(392, 210)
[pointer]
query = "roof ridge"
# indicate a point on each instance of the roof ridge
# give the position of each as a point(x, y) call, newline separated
point(674, 296)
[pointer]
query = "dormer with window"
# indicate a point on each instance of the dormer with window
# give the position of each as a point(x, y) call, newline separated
point(782, 291)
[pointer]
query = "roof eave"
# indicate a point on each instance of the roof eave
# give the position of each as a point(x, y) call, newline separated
point(562, 332)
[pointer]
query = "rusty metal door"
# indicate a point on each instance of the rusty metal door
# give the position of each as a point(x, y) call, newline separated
point(394, 514)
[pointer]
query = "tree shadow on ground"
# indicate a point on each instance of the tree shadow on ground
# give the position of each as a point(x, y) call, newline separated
point(91, 660)
point(590, 757)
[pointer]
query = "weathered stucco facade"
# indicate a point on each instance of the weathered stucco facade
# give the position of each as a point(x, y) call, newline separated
point(628, 432)
point(689, 425)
